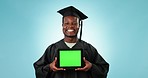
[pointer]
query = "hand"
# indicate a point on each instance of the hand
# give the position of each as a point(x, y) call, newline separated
point(53, 67)
point(87, 66)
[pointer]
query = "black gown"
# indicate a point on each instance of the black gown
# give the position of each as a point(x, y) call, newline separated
point(99, 67)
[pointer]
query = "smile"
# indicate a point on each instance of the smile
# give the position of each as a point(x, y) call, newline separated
point(70, 30)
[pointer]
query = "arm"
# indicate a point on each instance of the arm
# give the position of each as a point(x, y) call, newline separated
point(41, 66)
point(46, 65)
point(99, 67)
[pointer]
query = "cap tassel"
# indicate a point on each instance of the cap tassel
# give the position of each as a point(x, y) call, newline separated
point(81, 30)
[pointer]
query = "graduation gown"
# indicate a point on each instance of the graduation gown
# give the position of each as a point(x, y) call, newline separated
point(99, 67)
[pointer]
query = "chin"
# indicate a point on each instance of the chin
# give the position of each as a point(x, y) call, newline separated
point(71, 36)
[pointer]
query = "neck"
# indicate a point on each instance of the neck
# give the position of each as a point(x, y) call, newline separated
point(71, 40)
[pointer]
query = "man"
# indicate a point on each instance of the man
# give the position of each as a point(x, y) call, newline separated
point(95, 65)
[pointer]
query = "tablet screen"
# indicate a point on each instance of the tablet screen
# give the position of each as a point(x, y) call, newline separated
point(70, 58)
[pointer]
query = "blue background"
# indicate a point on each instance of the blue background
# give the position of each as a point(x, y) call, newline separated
point(117, 28)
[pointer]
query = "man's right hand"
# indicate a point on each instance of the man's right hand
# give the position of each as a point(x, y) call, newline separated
point(53, 65)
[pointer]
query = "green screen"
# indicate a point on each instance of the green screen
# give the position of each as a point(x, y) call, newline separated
point(70, 58)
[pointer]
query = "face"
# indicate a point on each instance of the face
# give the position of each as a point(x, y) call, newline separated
point(70, 26)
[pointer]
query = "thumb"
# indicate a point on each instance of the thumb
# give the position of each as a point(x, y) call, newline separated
point(55, 59)
point(84, 59)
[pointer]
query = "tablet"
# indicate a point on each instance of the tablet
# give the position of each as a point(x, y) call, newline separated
point(70, 58)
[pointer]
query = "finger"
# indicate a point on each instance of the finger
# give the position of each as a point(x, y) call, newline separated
point(56, 69)
point(81, 68)
point(77, 69)
point(60, 69)
point(55, 60)
point(85, 60)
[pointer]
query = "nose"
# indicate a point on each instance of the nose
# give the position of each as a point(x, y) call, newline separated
point(71, 26)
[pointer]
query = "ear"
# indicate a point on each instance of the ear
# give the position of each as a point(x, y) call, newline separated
point(78, 26)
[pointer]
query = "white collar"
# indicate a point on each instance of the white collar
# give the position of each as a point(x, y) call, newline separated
point(70, 45)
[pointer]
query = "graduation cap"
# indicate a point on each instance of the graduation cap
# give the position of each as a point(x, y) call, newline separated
point(72, 11)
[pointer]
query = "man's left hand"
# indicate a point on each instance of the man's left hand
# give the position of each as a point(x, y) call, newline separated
point(87, 66)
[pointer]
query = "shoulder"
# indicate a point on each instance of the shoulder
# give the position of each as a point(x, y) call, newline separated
point(55, 44)
point(52, 47)
point(89, 47)
point(86, 44)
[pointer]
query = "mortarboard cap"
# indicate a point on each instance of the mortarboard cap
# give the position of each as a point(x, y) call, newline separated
point(72, 11)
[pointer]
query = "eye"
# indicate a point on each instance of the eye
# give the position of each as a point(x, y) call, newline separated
point(75, 23)
point(65, 24)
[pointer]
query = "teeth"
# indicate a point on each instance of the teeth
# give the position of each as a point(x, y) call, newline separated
point(70, 30)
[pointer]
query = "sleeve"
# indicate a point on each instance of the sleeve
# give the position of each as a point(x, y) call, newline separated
point(42, 69)
point(99, 67)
